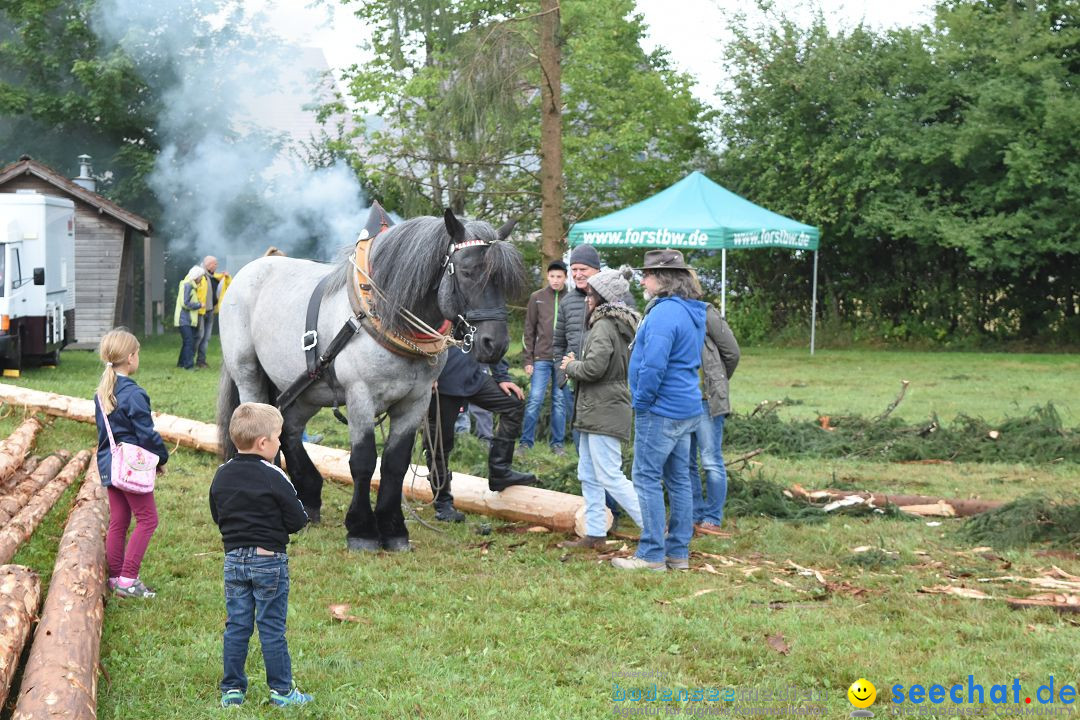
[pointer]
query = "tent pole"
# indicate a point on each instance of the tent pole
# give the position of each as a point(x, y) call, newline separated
point(723, 282)
point(813, 306)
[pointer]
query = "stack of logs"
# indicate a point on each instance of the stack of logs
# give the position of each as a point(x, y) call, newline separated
point(60, 674)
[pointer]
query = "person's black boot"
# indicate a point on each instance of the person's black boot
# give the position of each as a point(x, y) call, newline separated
point(446, 512)
point(500, 474)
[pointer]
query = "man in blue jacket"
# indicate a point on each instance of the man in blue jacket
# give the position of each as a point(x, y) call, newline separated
point(463, 380)
point(665, 393)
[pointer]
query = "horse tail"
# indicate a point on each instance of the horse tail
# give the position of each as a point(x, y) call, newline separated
point(228, 400)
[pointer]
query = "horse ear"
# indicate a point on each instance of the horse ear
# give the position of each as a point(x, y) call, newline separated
point(453, 226)
point(505, 230)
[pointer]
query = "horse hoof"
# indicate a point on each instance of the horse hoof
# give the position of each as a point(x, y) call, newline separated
point(314, 515)
point(398, 544)
point(364, 544)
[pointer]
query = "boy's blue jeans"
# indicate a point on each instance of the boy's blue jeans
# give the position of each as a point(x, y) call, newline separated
point(543, 379)
point(256, 589)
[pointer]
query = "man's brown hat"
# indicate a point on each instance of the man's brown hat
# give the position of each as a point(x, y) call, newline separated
point(665, 259)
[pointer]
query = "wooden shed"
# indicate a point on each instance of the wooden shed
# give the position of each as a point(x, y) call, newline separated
point(107, 238)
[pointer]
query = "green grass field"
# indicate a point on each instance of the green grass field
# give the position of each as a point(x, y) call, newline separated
point(509, 626)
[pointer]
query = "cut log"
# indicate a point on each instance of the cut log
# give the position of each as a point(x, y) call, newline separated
point(554, 510)
point(174, 429)
point(19, 529)
point(938, 509)
point(536, 506)
point(20, 595)
point(13, 450)
point(60, 678)
point(13, 502)
point(962, 508)
point(29, 465)
point(1056, 601)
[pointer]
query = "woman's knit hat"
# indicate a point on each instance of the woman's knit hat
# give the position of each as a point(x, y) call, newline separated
point(611, 285)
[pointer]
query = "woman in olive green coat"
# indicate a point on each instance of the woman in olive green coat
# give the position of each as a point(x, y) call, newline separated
point(602, 413)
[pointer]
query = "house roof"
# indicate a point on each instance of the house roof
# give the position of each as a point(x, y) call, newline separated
point(26, 165)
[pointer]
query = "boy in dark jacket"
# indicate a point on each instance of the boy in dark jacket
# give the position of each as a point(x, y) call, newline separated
point(255, 506)
point(540, 318)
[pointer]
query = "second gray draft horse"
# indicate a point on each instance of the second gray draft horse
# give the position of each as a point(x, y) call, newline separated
point(436, 270)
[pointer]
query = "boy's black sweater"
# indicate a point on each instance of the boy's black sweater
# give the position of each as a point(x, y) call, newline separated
point(254, 504)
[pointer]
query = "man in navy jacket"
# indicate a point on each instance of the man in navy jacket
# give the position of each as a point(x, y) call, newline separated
point(464, 380)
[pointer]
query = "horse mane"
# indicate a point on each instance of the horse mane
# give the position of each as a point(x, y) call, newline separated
point(505, 269)
point(407, 264)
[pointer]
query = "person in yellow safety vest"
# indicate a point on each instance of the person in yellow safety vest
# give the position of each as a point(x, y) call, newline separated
point(214, 290)
point(186, 315)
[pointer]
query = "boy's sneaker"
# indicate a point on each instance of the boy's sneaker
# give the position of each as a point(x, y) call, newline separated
point(232, 698)
point(136, 590)
point(293, 698)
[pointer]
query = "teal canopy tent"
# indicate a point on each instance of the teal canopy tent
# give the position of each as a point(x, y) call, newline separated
point(698, 214)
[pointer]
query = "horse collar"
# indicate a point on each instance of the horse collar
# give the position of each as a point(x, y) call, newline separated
point(362, 300)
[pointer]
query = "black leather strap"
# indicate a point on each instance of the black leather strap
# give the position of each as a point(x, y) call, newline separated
point(318, 365)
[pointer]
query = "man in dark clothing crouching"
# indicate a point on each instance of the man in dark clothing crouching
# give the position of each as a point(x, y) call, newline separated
point(464, 380)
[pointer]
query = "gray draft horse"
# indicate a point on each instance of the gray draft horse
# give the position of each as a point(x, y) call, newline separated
point(418, 266)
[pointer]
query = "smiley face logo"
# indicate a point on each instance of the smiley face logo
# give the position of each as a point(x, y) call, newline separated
point(862, 693)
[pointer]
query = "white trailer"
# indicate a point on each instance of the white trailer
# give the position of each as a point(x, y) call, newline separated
point(37, 278)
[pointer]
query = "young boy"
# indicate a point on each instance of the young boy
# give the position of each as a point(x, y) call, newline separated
point(255, 507)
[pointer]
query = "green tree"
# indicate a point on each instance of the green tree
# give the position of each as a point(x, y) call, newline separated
point(63, 93)
point(456, 89)
point(940, 163)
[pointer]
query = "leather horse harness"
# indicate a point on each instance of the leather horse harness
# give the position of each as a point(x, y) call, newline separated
point(423, 341)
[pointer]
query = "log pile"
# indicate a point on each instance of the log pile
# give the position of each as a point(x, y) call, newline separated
point(554, 510)
point(29, 465)
point(46, 470)
point(60, 677)
point(19, 529)
point(20, 595)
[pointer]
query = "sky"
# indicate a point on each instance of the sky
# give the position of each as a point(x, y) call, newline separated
point(693, 31)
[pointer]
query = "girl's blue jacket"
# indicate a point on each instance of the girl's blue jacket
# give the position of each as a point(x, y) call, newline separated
point(131, 422)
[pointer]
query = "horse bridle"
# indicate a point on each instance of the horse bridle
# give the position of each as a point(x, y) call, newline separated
point(465, 325)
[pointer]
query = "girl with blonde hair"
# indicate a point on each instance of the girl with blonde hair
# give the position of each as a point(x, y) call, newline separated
point(127, 407)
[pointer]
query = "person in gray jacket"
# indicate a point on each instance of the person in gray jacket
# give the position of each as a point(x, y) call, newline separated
point(719, 358)
point(603, 415)
point(570, 328)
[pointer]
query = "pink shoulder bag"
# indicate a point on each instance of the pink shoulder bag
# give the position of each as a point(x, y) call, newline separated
point(133, 468)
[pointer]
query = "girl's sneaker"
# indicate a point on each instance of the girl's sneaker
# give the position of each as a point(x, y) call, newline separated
point(295, 697)
point(232, 698)
point(136, 590)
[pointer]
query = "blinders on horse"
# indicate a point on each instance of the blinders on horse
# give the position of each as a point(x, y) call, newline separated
point(465, 324)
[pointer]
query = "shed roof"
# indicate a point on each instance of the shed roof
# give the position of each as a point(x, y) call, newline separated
point(26, 165)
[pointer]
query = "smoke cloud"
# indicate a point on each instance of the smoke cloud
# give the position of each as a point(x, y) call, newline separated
point(229, 177)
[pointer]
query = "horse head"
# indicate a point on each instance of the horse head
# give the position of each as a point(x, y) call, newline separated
point(481, 273)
